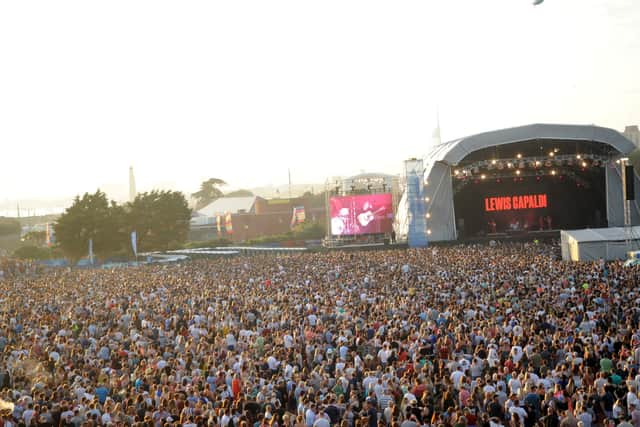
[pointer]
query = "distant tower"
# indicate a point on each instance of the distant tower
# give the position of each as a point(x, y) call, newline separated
point(436, 132)
point(132, 185)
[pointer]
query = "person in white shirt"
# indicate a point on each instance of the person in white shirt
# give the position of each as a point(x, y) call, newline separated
point(456, 377)
point(310, 416)
point(514, 385)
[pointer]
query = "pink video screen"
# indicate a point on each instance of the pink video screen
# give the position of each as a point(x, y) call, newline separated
point(362, 214)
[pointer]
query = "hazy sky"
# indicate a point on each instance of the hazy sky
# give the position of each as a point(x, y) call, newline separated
point(243, 90)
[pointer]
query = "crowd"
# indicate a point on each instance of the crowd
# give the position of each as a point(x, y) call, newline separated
point(455, 336)
point(11, 267)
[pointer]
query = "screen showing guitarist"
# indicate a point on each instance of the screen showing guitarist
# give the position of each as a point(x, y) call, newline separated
point(363, 214)
point(369, 216)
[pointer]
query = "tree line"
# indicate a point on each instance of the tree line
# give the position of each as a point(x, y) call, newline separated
point(159, 218)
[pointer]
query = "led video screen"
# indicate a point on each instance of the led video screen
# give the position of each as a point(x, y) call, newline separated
point(362, 214)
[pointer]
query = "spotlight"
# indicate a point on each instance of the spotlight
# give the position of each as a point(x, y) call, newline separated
point(429, 231)
point(578, 157)
point(584, 164)
point(518, 172)
point(493, 162)
point(428, 215)
point(456, 172)
point(537, 163)
point(509, 165)
point(483, 176)
point(551, 154)
point(553, 172)
point(519, 156)
point(426, 199)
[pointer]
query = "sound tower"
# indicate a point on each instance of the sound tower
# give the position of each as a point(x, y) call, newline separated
point(629, 181)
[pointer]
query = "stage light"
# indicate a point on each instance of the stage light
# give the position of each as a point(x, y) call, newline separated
point(428, 215)
point(509, 165)
point(551, 154)
point(553, 172)
point(429, 231)
point(519, 156)
point(426, 199)
point(537, 163)
point(493, 162)
point(518, 172)
point(578, 157)
point(483, 176)
point(456, 172)
point(584, 164)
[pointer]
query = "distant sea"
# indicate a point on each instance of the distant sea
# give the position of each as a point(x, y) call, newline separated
point(25, 212)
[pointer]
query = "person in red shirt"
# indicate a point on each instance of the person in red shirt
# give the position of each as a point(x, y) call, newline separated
point(236, 386)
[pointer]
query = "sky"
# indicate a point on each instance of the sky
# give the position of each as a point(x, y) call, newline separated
point(247, 90)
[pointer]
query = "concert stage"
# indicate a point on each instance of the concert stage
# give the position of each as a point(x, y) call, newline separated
point(514, 236)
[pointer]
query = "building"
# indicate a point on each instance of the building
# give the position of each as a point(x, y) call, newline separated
point(240, 219)
point(632, 133)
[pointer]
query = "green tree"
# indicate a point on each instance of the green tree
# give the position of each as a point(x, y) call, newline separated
point(91, 217)
point(36, 238)
point(32, 252)
point(160, 219)
point(239, 193)
point(9, 226)
point(209, 191)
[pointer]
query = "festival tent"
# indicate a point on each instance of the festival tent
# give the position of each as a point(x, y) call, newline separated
point(592, 244)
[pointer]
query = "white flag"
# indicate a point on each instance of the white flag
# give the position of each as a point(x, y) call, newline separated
point(91, 251)
point(134, 243)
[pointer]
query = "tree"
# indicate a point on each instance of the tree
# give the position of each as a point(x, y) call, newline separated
point(239, 193)
point(9, 226)
point(36, 238)
point(159, 218)
point(209, 191)
point(32, 252)
point(91, 217)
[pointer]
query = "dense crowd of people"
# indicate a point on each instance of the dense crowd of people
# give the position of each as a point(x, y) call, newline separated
point(12, 267)
point(456, 336)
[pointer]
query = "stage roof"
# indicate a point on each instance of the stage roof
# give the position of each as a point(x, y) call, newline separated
point(453, 152)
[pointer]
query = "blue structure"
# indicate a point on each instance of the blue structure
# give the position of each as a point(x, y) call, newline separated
point(417, 233)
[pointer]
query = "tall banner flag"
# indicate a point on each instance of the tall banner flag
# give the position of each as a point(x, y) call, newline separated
point(50, 237)
point(298, 216)
point(91, 251)
point(228, 225)
point(219, 223)
point(134, 243)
